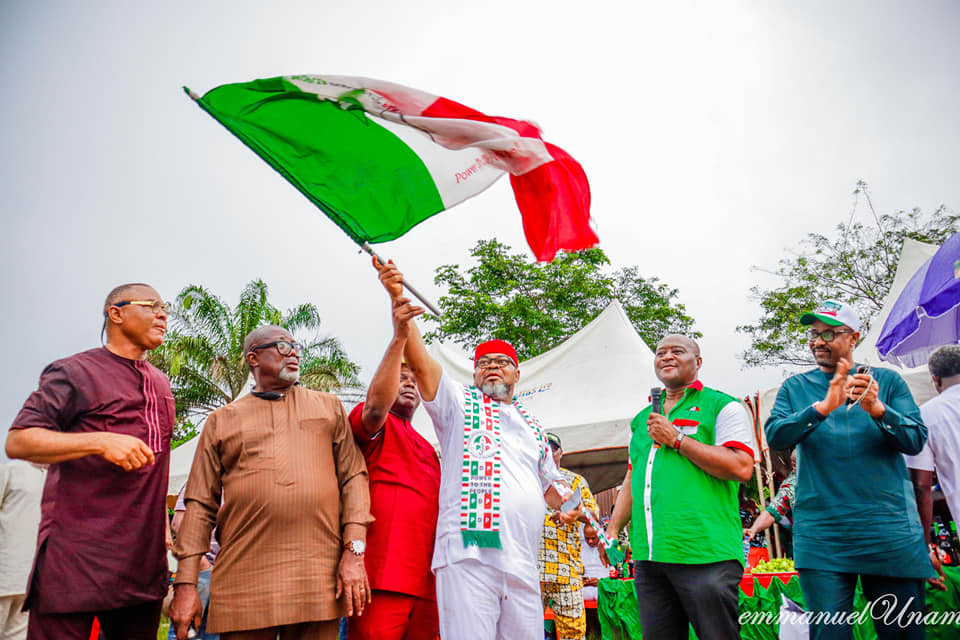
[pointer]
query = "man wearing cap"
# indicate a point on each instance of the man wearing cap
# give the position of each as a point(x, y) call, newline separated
point(561, 569)
point(496, 473)
point(681, 496)
point(404, 488)
point(854, 510)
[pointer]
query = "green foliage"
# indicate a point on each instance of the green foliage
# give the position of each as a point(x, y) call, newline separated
point(203, 351)
point(537, 305)
point(183, 431)
point(857, 265)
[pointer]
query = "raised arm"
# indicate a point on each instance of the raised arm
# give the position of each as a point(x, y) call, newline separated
point(424, 367)
point(386, 381)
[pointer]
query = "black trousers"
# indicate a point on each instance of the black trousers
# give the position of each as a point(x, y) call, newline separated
point(136, 622)
point(671, 596)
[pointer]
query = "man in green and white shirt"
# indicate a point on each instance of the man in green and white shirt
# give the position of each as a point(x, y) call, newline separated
point(680, 492)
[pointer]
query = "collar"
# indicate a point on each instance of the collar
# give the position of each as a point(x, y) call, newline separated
point(272, 395)
point(696, 385)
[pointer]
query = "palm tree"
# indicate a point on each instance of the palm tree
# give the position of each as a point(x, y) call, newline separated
point(203, 350)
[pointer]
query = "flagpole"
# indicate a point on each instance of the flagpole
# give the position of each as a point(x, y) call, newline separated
point(366, 247)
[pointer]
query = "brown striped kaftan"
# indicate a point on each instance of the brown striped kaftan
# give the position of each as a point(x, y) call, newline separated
point(292, 479)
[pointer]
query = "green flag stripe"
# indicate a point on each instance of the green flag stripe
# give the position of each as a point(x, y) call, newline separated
point(365, 178)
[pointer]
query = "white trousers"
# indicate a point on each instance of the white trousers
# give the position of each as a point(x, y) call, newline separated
point(13, 623)
point(479, 602)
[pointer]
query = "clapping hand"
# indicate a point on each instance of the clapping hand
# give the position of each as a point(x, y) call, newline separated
point(837, 391)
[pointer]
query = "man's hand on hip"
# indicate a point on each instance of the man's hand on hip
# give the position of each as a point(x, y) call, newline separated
point(186, 610)
point(127, 452)
point(352, 583)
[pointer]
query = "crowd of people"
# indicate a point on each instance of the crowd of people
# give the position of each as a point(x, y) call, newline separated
point(297, 515)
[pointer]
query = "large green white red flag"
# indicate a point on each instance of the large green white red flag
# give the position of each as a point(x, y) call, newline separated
point(379, 158)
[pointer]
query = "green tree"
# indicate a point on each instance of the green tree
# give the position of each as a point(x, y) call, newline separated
point(857, 265)
point(203, 350)
point(537, 305)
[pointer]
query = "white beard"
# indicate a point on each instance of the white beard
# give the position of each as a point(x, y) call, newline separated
point(497, 390)
point(289, 376)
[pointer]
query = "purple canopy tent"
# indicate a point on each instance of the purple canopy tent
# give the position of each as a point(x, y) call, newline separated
point(927, 313)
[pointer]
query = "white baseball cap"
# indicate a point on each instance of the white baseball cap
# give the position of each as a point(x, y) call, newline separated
point(835, 314)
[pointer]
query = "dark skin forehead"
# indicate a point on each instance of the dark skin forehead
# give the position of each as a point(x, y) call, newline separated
point(140, 292)
point(681, 340)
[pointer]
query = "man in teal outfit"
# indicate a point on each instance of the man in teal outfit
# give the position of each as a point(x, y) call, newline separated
point(680, 492)
point(854, 511)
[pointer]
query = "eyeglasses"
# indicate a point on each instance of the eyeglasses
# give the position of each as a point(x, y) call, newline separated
point(283, 346)
point(827, 335)
point(489, 363)
point(155, 305)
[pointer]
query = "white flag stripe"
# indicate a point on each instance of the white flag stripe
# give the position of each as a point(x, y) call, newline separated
point(457, 174)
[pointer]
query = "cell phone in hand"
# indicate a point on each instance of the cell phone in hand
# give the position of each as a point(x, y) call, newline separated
point(863, 368)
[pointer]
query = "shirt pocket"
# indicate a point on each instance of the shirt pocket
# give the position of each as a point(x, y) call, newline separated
point(318, 425)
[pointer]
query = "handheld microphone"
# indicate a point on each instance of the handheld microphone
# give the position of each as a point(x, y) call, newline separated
point(656, 402)
point(656, 399)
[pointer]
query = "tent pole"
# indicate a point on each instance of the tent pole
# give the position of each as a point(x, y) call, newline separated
point(366, 247)
point(769, 465)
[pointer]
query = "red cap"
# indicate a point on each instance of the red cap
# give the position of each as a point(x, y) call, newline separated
point(496, 346)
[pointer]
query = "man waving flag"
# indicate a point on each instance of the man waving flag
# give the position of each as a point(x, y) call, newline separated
point(379, 158)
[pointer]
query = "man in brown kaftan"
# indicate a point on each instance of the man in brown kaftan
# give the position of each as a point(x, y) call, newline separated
point(295, 508)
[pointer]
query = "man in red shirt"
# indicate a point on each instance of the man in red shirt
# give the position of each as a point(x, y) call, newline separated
point(102, 419)
point(404, 488)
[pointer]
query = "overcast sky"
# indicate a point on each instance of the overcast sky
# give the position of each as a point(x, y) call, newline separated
point(715, 136)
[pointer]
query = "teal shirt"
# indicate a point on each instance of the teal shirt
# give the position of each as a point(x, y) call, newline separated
point(854, 510)
point(681, 513)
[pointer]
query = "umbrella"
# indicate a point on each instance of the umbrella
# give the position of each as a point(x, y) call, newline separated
point(925, 315)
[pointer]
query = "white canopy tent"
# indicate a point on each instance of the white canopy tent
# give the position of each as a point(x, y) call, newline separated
point(180, 460)
point(912, 257)
point(586, 390)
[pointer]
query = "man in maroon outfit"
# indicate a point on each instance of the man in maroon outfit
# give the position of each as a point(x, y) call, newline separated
point(102, 419)
point(404, 488)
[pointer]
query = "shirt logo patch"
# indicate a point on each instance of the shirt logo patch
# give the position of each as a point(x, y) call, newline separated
point(686, 427)
point(482, 445)
point(695, 408)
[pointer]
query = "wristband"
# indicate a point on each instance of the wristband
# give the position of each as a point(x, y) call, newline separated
point(676, 443)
